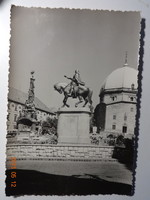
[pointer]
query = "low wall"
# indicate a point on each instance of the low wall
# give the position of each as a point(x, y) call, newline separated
point(45, 151)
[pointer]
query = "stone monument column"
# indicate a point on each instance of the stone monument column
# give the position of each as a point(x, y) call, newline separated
point(73, 126)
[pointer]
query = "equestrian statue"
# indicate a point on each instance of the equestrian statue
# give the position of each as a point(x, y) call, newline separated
point(75, 89)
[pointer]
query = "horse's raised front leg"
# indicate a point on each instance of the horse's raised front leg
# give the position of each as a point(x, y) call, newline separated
point(80, 101)
point(65, 101)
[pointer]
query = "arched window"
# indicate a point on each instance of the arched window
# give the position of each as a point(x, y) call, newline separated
point(132, 86)
point(131, 99)
point(8, 116)
point(12, 105)
point(113, 126)
point(15, 118)
point(125, 117)
point(113, 97)
point(8, 105)
point(124, 129)
point(131, 109)
point(16, 107)
point(20, 107)
point(114, 116)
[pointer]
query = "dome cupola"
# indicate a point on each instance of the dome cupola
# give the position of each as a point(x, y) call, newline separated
point(121, 78)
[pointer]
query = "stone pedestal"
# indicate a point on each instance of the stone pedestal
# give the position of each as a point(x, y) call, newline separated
point(73, 126)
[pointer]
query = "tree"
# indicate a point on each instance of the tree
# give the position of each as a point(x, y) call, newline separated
point(49, 126)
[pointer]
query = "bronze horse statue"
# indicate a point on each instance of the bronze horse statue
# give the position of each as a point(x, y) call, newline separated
point(82, 92)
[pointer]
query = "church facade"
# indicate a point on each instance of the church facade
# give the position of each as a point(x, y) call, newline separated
point(116, 111)
point(16, 104)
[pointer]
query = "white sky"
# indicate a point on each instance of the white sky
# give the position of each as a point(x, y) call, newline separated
point(55, 42)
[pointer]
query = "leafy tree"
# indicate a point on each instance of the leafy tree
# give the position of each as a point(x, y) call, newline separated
point(49, 126)
point(120, 140)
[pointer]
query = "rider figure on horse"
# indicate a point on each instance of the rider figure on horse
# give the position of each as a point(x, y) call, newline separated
point(75, 83)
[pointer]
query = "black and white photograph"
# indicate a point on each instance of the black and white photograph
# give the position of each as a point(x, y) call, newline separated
point(72, 101)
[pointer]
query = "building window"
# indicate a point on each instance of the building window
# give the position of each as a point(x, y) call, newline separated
point(113, 98)
point(125, 117)
point(12, 105)
point(135, 98)
point(15, 118)
point(8, 105)
point(8, 117)
point(113, 127)
point(131, 109)
point(124, 129)
point(132, 86)
point(15, 107)
point(114, 116)
point(131, 99)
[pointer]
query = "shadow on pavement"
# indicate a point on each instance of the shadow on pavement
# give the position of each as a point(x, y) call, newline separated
point(124, 156)
point(30, 182)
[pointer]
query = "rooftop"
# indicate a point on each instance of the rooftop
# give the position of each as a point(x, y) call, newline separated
point(20, 97)
point(124, 77)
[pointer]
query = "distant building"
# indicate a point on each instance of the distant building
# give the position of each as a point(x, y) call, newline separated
point(117, 109)
point(16, 103)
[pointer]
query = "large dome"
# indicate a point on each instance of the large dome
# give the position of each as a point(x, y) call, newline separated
point(123, 77)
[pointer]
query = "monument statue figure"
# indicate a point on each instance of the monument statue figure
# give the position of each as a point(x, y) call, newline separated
point(75, 89)
point(28, 116)
point(75, 83)
point(31, 89)
point(29, 109)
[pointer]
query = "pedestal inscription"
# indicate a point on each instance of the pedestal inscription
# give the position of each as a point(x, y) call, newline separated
point(73, 126)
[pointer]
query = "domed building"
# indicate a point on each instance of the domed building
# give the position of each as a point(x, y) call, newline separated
point(117, 109)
